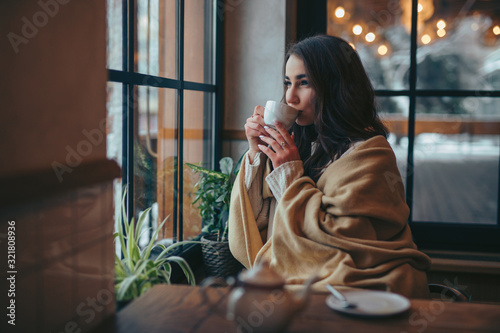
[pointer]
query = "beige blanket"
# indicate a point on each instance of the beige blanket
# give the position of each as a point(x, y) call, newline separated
point(350, 228)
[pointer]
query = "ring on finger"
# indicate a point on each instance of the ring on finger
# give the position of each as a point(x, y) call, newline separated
point(282, 144)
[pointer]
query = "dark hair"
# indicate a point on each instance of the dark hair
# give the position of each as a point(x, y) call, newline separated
point(345, 101)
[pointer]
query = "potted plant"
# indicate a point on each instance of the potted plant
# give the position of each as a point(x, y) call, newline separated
point(213, 195)
point(138, 271)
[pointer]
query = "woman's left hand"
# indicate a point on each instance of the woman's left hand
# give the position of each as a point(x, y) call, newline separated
point(282, 144)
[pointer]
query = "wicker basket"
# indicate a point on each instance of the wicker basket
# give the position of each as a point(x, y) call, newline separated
point(217, 258)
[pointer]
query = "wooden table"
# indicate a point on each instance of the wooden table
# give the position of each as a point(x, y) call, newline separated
point(179, 308)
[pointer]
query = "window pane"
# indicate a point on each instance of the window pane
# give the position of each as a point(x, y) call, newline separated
point(115, 34)
point(394, 113)
point(457, 45)
point(379, 30)
point(166, 159)
point(114, 140)
point(114, 124)
point(156, 40)
point(145, 147)
point(456, 157)
point(198, 41)
point(198, 147)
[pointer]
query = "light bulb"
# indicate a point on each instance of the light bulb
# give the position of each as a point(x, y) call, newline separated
point(370, 37)
point(426, 39)
point(496, 30)
point(382, 50)
point(357, 29)
point(441, 32)
point(441, 24)
point(340, 12)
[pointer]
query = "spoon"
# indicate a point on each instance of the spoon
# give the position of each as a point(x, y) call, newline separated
point(343, 301)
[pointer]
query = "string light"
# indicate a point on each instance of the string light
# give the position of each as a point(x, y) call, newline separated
point(441, 33)
point(382, 50)
point(357, 29)
point(424, 7)
point(340, 12)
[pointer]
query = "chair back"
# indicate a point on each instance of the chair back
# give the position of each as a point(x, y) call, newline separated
point(447, 293)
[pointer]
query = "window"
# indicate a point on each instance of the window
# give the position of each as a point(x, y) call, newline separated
point(163, 105)
point(435, 66)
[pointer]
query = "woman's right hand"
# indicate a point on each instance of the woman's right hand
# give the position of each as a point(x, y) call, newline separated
point(254, 127)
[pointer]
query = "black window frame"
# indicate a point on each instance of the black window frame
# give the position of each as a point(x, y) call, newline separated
point(312, 19)
point(130, 78)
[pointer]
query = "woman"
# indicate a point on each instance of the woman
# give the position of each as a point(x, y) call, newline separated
point(327, 199)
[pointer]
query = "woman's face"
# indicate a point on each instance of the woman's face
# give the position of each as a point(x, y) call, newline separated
point(299, 93)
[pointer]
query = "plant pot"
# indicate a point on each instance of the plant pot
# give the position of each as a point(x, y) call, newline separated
point(120, 305)
point(217, 258)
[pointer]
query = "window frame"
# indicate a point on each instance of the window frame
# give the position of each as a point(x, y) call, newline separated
point(427, 235)
point(130, 78)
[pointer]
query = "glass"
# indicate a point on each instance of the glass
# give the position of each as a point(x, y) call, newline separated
point(114, 125)
point(199, 41)
point(156, 44)
point(145, 163)
point(197, 144)
point(456, 157)
point(115, 35)
point(458, 45)
point(394, 113)
point(166, 158)
point(114, 142)
point(379, 32)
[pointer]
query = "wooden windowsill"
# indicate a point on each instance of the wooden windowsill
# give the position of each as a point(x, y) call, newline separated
point(467, 262)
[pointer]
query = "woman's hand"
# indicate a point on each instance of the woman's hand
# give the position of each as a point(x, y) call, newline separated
point(254, 129)
point(282, 144)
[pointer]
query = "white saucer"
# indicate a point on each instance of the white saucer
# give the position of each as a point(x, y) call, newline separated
point(370, 303)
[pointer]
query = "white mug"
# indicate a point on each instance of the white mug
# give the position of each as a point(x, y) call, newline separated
point(277, 111)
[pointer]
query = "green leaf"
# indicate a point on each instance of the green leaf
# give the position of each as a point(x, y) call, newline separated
point(124, 210)
point(145, 287)
point(140, 266)
point(173, 246)
point(125, 287)
point(131, 245)
point(185, 268)
point(221, 198)
point(226, 165)
point(205, 171)
point(121, 235)
point(120, 268)
point(213, 195)
point(147, 252)
point(140, 224)
point(136, 273)
point(165, 274)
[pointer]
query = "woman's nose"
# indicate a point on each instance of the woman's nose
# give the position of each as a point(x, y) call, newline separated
point(291, 96)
